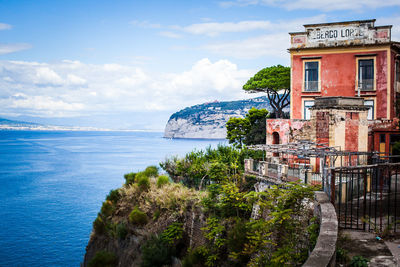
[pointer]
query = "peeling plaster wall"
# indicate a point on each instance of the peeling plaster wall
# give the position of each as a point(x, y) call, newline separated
point(346, 129)
point(288, 130)
point(338, 78)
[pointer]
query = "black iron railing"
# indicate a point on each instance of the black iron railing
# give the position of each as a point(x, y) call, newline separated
point(366, 197)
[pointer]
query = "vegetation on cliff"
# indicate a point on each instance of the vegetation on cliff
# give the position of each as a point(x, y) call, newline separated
point(249, 130)
point(205, 214)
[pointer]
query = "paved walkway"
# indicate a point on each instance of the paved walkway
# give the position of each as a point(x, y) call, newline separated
point(378, 252)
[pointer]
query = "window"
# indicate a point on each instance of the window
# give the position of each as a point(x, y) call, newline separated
point(307, 105)
point(311, 69)
point(366, 74)
point(382, 138)
point(370, 105)
point(397, 78)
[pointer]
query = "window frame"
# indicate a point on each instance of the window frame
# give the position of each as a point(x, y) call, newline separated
point(304, 75)
point(397, 75)
point(373, 108)
point(358, 59)
point(304, 108)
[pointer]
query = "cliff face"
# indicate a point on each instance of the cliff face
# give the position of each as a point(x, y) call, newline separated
point(207, 121)
point(211, 127)
point(114, 230)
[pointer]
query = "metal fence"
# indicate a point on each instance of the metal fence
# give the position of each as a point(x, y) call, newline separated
point(366, 197)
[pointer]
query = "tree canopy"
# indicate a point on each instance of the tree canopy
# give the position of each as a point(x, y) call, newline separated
point(275, 81)
point(249, 130)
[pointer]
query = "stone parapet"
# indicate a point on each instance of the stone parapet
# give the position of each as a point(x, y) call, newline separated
point(324, 252)
point(339, 103)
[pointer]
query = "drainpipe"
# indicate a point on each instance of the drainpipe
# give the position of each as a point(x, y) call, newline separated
point(359, 86)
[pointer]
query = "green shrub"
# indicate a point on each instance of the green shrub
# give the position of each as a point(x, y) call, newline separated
point(313, 231)
point(342, 255)
point(156, 252)
point(359, 261)
point(114, 196)
point(143, 181)
point(103, 259)
point(130, 178)
point(99, 225)
point(173, 233)
point(237, 236)
point(195, 257)
point(121, 231)
point(151, 171)
point(107, 208)
point(162, 180)
point(138, 217)
point(156, 215)
point(218, 171)
point(249, 182)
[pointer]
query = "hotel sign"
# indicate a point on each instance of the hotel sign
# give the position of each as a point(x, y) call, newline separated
point(340, 34)
point(337, 34)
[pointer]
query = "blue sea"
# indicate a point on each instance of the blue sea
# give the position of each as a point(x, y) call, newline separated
point(52, 185)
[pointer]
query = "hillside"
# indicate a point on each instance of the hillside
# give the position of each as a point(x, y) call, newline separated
point(12, 125)
point(6, 124)
point(202, 215)
point(208, 120)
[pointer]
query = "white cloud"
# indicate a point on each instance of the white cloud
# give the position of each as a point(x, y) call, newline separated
point(219, 76)
point(47, 103)
point(46, 76)
point(327, 5)
point(145, 24)
point(75, 80)
point(11, 48)
point(215, 28)
point(273, 43)
point(73, 88)
point(170, 34)
point(264, 45)
point(136, 78)
point(112, 67)
point(4, 26)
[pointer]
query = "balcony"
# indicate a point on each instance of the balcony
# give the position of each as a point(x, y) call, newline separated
point(311, 86)
point(278, 173)
point(366, 84)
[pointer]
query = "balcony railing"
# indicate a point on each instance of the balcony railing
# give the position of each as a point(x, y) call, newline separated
point(366, 84)
point(311, 86)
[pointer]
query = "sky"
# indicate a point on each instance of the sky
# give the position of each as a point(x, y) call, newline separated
point(131, 64)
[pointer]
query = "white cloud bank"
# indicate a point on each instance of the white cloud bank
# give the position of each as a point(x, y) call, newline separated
point(272, 43)
point(73, 88)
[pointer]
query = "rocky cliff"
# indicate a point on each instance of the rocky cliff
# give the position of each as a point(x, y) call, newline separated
point(207, 121)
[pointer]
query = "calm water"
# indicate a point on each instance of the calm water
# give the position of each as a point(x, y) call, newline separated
point(52, 185)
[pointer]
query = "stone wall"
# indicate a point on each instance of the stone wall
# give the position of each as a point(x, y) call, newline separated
point(289, 130)
point(324, 252)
